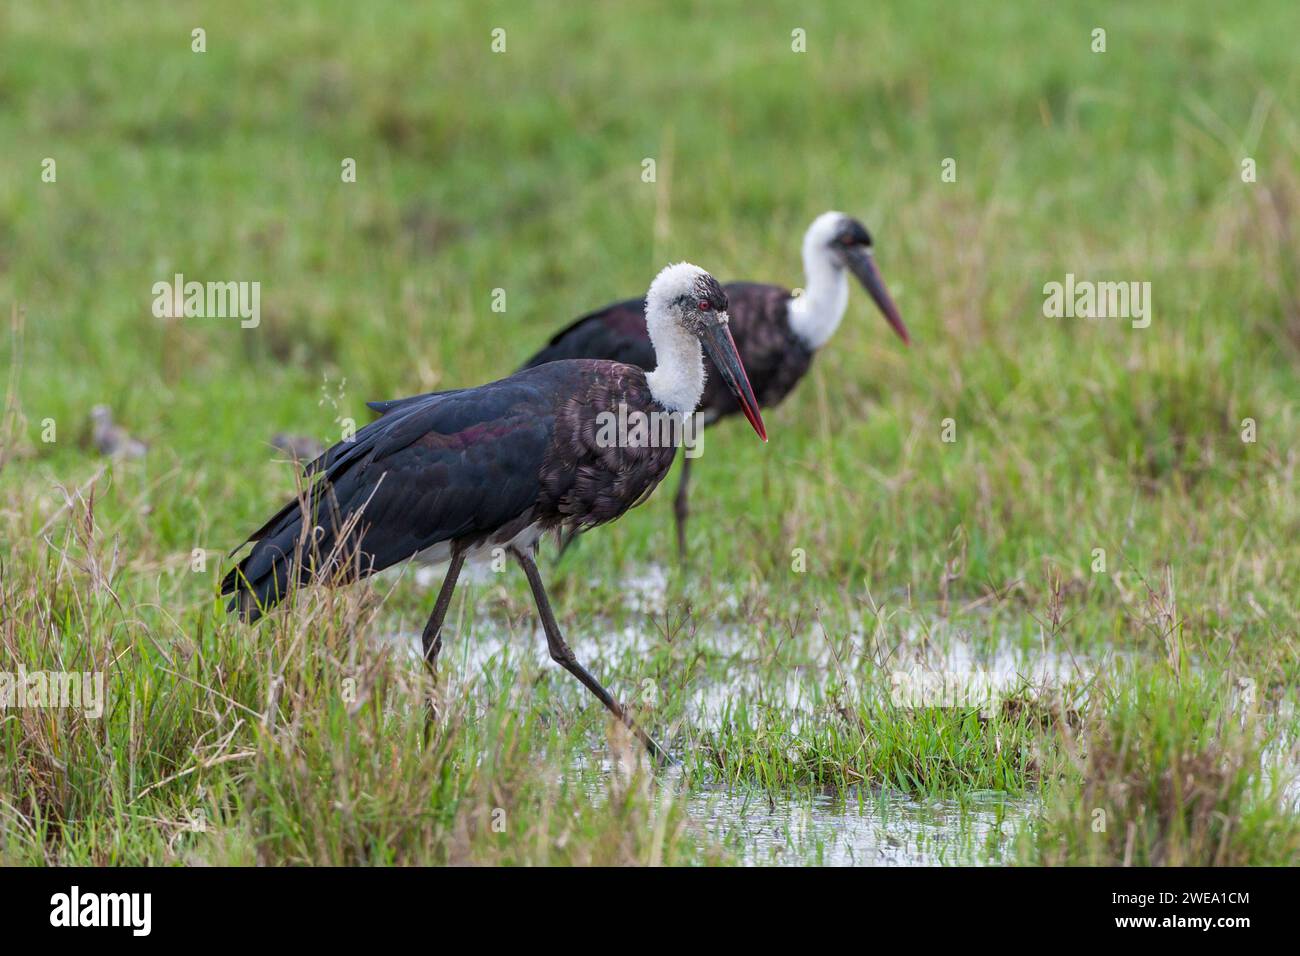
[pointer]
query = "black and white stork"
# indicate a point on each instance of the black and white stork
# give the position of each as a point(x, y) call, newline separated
point(776, 332)
point(449, 476)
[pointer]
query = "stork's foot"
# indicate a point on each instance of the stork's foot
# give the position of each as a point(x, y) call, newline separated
point(563, 655)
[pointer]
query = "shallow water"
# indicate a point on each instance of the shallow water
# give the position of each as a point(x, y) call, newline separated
point(928, 662)
point(884, 829)
point(947, 671)
point(859, 827)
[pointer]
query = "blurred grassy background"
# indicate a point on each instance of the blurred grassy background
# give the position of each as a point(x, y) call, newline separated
point(522, 171)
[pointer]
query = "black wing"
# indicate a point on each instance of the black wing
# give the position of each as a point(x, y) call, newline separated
point(438, 467)
point(616, 332)
point(775, 360)
point(384, 407)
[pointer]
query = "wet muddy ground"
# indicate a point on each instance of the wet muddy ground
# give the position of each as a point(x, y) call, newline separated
point(936, 661)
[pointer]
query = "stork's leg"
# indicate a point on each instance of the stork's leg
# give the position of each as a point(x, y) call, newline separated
point(681, 508)
point(563, 655)
point(431, 639)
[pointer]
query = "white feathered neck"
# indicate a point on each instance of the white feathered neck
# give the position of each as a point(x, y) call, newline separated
point(815, 315)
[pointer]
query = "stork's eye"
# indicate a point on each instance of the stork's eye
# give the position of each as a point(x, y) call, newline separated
point(705, 305)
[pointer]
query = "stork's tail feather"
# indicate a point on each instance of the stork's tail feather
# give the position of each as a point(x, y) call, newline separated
point(254, 598)
point(262, 579)
point(565, 539)
point(282, 559)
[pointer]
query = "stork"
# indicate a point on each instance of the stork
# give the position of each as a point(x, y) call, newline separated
point(450, 476)
point(777, 332)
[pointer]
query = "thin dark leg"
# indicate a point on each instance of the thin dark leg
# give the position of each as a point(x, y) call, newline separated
point(563, 655)
point(431, 639)
point(680, 507)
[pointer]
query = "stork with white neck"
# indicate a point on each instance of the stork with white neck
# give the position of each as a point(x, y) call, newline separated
point(453, 476)
point(776, 332)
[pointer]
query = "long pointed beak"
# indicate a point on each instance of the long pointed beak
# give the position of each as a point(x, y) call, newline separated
point(717, 341)
point(863, 265)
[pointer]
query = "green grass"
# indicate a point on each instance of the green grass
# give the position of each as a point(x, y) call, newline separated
point(1170, 775)
point(522, 171)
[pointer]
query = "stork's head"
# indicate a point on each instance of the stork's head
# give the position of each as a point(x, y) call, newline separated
point(847, 244)
point(685, 298)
